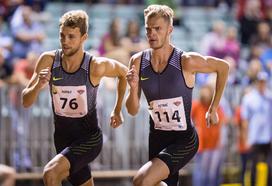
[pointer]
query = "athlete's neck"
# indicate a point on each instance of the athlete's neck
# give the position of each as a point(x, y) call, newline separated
point(162, 55)
point(72, 63)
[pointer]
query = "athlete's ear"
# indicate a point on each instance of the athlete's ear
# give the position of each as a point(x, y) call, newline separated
point(84, 37)
point(170, 29)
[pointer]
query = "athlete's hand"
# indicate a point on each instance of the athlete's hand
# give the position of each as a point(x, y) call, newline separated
point(116, 119)
point(44, 77)
point(211, 118)
point(132, 77)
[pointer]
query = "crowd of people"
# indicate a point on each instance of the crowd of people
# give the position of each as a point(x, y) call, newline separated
point(247, 49)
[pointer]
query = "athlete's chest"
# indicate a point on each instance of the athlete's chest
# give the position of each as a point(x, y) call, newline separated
point(159, 67)
point(62, 78)
point(157, 85)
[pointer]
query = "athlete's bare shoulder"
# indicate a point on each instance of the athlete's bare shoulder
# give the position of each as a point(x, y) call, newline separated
point(45, 60)
point(102, 61)
point(99, 65)
point(137, 56)
point(99, 60)
point(186, 56)
point(190, 59)
point(136, 59)
point(48, 54)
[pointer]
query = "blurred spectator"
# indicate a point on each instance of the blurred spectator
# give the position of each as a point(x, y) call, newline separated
point(37, 5)
point(209, 3)
point(266, 59)
point(232, 45)
point(26, 66)
point(228, 3)
point(8, 8)
point(28, 34)
point(262, 37)
point(254, 53)
point(208, 160)
point(256, 116)
point(234, 74)
point(111, 44)
point(111, 40)
point(3, 8)
point(254, 68)
point(5, 38)
point(242, 144)
point(268, 18)
point(20, 73)
point(250, 15)
point(132, 40)
point(24, 69)
point(241, 7)
point(39, 13)
point(213, 42)
point(7, 176)
point(5, 69)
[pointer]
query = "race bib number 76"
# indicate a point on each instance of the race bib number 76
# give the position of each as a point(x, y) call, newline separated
point(70, 101)
point(168, 114)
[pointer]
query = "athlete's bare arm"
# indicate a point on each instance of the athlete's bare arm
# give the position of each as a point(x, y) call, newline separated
point(105, 67)
point(195, 63)
point(39, 79)
point(134, 94)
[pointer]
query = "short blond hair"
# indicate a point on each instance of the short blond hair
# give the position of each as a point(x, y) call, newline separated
point(163, 11)
point(75, 19)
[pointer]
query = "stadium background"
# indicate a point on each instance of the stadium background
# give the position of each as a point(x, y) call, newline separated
point(26, 134)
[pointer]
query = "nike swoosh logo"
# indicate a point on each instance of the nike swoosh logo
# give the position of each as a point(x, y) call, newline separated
point(144, 78)
point(56, 79)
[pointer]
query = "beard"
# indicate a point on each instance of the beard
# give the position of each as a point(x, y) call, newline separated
point(71, 52)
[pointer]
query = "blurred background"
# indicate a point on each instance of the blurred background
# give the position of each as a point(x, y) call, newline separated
point(238, 31)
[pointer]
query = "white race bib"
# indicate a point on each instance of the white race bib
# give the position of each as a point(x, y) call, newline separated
point(70, 101)
point(168, 114)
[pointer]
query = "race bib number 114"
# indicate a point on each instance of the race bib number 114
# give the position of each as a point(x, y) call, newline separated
point(168, 114)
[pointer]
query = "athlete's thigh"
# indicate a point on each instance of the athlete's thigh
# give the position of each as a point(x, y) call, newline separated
point(60, 164)
point(154, 170)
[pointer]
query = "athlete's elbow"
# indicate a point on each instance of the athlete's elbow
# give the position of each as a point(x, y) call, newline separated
point(225, 67)
point(132, 111)
point(24, 101)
